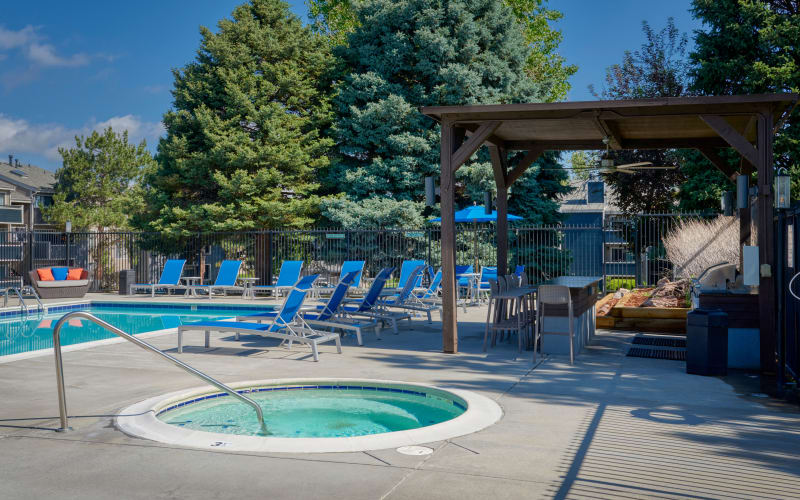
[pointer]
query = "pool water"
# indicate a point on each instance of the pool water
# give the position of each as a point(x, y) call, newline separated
point(33, 332)
point(310, 412)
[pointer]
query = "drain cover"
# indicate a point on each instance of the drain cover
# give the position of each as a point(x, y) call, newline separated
point(415, 450)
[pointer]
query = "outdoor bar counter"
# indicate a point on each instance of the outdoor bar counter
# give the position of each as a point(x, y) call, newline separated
point(583, 290)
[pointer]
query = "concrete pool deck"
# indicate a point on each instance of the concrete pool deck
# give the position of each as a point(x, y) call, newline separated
point(609, 426)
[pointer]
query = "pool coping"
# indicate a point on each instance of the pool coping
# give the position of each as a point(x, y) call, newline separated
point(78, 305)
point(139, 420)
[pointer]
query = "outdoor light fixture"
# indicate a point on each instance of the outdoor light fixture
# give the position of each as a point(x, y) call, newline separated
point(68, 227)
point(727, 203)
point(782, 189)
point(487, 202)
point(742, 192)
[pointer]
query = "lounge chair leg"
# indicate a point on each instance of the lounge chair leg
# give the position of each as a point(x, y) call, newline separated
point(378, 330)
point(236, 335)
point(208, 339)
point(394, 327)
point(430, 320)
point(358, 338)
point(339, 344)
point(180, 341)
point(314, 351)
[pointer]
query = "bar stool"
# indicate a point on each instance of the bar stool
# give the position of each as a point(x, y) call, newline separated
point(554, 295)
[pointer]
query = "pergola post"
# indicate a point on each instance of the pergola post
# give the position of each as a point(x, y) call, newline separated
point(766, 243)
point(451, 140)
point(499, 167)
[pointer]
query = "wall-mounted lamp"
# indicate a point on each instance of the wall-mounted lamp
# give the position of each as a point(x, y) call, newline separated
point(487, 202)
point(68, 227)
point(727, 203)
point(783, 188)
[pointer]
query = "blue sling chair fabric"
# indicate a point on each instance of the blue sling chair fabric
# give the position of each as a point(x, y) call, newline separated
point(287, 277)
point(226, 279)
point(170, 277)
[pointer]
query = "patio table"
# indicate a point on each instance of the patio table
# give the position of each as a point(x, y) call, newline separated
point(191, 281)
point(248, 292)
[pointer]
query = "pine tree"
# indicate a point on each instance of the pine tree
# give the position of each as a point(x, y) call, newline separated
point(243, 147)
point(410, 53)
point(748, 48)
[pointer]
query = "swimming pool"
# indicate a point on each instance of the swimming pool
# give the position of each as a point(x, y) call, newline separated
point(33, 332)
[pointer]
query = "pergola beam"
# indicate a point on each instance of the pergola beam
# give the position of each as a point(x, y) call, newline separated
point(569, 145)
point(732, 137)
point(475, 141)
point(523, 165)
point(608, 130)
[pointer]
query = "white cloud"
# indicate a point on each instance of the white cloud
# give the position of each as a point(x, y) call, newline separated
point(10, 39)
point(20, 136)
point(32, 46)
point(45, 55)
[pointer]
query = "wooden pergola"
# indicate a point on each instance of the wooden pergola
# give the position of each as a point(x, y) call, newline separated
point(746, 123)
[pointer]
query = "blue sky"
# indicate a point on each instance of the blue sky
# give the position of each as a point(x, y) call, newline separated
point(67, 68)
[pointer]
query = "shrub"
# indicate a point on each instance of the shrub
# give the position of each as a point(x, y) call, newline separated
point(696, 244)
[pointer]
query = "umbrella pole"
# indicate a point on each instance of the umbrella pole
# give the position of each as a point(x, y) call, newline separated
point(475, 245)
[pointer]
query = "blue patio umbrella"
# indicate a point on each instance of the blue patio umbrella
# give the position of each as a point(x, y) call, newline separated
point(476, 214)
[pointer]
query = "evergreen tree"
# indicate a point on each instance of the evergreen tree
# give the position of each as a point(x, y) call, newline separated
point(243, 147)
point(410, 53)
point(750, 47)
point(97, 187)
point(338, 18)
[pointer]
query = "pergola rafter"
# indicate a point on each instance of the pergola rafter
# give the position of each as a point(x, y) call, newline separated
point(746, 123)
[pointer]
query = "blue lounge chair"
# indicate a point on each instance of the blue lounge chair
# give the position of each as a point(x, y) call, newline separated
point(170, 278)
point(287, 277)
point(430, 294)
point(518, 271)
point(329, 316)
point(287, 325)
point(405, 300)
point(482, 286)
point(368, 306)
point(348, 266)
point(226, 279)
point(405, 270)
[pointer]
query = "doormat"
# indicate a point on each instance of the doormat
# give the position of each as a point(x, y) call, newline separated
point(643, 352)
point(660, 341)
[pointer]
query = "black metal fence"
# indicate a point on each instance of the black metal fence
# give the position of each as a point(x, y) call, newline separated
point(787, 348)
point(625, 251)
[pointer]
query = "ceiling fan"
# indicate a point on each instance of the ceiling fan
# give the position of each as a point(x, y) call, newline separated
point(607, 163)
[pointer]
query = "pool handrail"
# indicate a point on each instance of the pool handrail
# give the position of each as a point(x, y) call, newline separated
point(62, 397)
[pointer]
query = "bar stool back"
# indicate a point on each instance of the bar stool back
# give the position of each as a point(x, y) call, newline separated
point(554, 295)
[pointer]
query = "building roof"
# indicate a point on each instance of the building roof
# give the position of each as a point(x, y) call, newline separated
point(576, 201)
point(669, 122)
point(28, 177)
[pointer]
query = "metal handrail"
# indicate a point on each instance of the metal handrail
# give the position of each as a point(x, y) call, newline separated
point(62, 397)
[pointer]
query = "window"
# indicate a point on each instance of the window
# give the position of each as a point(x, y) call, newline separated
point(3, 199)
point(43, 200)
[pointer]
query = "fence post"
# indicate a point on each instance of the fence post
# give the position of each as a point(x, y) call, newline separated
point(637, 250)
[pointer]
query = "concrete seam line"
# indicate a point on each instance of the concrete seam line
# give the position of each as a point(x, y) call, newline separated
point(520, 379)
point(415, 469)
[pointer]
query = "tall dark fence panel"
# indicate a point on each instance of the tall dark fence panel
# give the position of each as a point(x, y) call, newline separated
point(625, 251)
